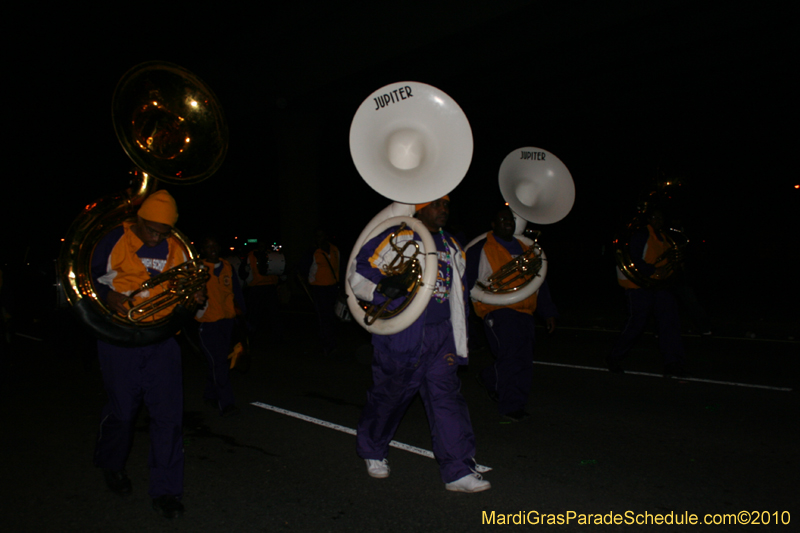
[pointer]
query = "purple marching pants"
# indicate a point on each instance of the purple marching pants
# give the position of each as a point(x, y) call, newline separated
point(511, 338)
point(432, 374)
point(641, 302)
point(215, 340)
point(151, 374)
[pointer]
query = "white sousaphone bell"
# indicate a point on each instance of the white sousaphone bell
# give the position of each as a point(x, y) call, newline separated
point(412, 143)
point(538, 188)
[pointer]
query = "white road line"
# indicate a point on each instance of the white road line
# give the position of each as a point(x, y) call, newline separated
point(351, 431)
point(768, 387)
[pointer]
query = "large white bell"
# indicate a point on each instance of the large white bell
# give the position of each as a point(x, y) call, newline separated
point(537, 185)
point(411, 142)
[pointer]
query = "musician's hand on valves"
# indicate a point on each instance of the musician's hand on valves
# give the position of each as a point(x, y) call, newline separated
point(117, 302)
point(662, 271)
point(201, 296)
point(394, 286)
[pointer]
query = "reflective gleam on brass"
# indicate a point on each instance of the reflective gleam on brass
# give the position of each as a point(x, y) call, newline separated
point(672, 258)
point(174, 124)
point(180, 285)
point(662, 191)
point(171, 126)
point(517, 273)
point(401, 264)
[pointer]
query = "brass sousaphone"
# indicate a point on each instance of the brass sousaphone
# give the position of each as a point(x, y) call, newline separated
point(170, 124)
point(538, 188)
point(412, 143)
point(675, 239)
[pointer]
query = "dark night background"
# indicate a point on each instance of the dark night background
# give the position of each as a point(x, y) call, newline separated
point(616, 90)
point(706, 91)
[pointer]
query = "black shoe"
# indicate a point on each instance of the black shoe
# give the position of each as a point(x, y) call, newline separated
point(117, 481)
point(614, 366)
point(517, 416)
point(168, 506)
point(491, 393)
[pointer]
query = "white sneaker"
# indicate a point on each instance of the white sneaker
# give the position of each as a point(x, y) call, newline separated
point(378, 469)
point(469, 483)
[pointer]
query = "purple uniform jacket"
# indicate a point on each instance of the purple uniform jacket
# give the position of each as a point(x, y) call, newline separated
point(408, 343)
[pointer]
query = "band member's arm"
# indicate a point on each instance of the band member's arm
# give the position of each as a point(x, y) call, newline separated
point(117, 302)
point(374, 255)
point(200, 296)
point(103, 274)
point(545, 307)
point(473, 264)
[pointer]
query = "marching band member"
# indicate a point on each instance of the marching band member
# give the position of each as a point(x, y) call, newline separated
point(647, 245)
point(217, 319)
point(122, 261)
point(510, 329)
point(323, 282)
point(261, 293)
point(422, 359)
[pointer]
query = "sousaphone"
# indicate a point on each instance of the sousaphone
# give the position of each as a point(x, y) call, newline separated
point(171, 126)
point(538, 188)
point(412, 143)
point(677, 242)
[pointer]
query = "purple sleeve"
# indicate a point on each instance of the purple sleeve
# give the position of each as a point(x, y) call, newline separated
point(364, 268)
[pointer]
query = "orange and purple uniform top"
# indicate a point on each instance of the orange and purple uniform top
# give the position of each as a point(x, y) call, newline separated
point(223, 291)
point(324, 269)
point(645, 248)
point(121, 262)
point(487, 257)
point(493, 256)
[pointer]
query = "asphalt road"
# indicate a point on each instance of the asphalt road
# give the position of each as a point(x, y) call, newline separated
point(596, 443)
